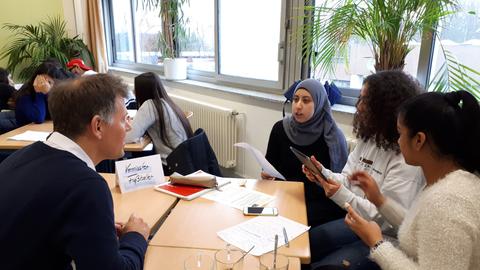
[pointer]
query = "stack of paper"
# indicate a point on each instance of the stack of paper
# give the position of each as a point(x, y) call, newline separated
point(260, 231)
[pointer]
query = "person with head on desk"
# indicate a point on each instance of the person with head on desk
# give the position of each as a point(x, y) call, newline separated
point(312, 130)
point(56, 210)
point(158, 115)
point(31, 99)
point(377, 153)
point(438, 132)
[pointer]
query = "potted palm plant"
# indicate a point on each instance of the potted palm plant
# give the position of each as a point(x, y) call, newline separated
point(34, 43)
point(173, 32)
point(387, 25)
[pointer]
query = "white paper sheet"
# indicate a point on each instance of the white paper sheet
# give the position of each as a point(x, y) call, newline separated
point(31, 136)
point(260, 231)
point(262, 161)
point(238, 197)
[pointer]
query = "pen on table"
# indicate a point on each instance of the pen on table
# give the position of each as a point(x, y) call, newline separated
point(287, 243)
point(275, 252)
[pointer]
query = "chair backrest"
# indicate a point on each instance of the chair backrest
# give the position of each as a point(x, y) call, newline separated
point(194, 154)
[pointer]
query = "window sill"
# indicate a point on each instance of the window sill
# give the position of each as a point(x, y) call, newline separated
point(215, 89)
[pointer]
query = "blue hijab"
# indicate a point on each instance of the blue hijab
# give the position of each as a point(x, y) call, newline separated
point(321, 124)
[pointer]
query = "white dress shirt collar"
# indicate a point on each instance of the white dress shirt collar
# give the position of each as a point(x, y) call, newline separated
point(61, 142)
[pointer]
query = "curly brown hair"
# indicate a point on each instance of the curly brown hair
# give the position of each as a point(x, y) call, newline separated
point(385, 92)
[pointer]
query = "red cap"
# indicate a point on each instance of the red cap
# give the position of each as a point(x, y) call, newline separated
point(79, 63)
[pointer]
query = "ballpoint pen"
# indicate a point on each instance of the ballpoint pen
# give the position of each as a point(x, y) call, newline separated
point(275, 252)
point(287, 243)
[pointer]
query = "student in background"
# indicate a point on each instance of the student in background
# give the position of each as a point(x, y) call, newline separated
point(312, 130)
point(78, 67)
point(377, 152)
point(158, 115)
point(438, 132)
point(31, 99)
point(56, 209)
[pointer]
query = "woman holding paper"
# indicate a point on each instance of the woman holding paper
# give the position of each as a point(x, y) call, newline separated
point(377, 154)
point(157, 115)
point(438, 132)
point(312, 130)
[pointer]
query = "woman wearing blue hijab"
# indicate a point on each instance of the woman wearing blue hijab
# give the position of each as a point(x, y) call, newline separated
point(312, 130)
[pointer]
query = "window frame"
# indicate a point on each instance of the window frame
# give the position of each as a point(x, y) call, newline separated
point(291, 67)
point(200, 75)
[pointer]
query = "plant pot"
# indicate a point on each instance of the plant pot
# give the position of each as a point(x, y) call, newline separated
point(175, 68)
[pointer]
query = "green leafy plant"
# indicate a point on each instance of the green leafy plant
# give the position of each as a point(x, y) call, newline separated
point(173, 25)
point(34, 43)
point(386, 25)
point(453, 76)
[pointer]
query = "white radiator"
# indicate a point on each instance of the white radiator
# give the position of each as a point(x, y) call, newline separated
point(220, 124)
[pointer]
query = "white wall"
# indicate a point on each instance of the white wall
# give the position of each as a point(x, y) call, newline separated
point(260, 115)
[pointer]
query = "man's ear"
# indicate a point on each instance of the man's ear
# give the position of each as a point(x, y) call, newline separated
point(419, 140)
point(96, 126)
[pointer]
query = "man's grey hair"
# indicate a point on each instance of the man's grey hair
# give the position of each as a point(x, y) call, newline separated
point(73, 103)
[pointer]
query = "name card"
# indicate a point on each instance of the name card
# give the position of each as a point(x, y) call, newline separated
point(138, 173)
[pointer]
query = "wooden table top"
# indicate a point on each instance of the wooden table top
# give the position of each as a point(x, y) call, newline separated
point(194, 224)
point(146, 203)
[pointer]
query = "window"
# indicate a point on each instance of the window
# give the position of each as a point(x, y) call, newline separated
point(199, 48)
point(227, 41)
point(349, 76)
point(460, 36)
point(147, 35)
point(122, 32)
point(251, 43)
point(250, 49)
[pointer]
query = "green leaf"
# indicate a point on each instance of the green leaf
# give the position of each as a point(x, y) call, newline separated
point(31, 44)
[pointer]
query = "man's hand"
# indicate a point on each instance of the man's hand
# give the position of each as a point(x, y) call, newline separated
point(136, 224)
point(119, 228)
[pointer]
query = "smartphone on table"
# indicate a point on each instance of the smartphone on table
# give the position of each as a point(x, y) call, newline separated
point(260, 211)
point(308, 163)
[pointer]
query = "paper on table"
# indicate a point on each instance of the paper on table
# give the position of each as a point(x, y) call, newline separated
point(266, 166)
point(260, 231)
point(31, 136)
point(238, 197)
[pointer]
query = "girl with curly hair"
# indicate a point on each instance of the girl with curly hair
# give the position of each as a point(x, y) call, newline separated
point(377, 153)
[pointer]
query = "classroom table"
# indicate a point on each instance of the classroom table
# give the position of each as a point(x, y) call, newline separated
point(47, 126)
point(152, 206)
point(194, 224)
point(173, 258)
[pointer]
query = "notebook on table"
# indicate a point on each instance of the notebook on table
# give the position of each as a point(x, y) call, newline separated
point(186, 192)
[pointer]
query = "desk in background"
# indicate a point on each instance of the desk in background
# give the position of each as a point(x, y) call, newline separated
point(6, 144)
